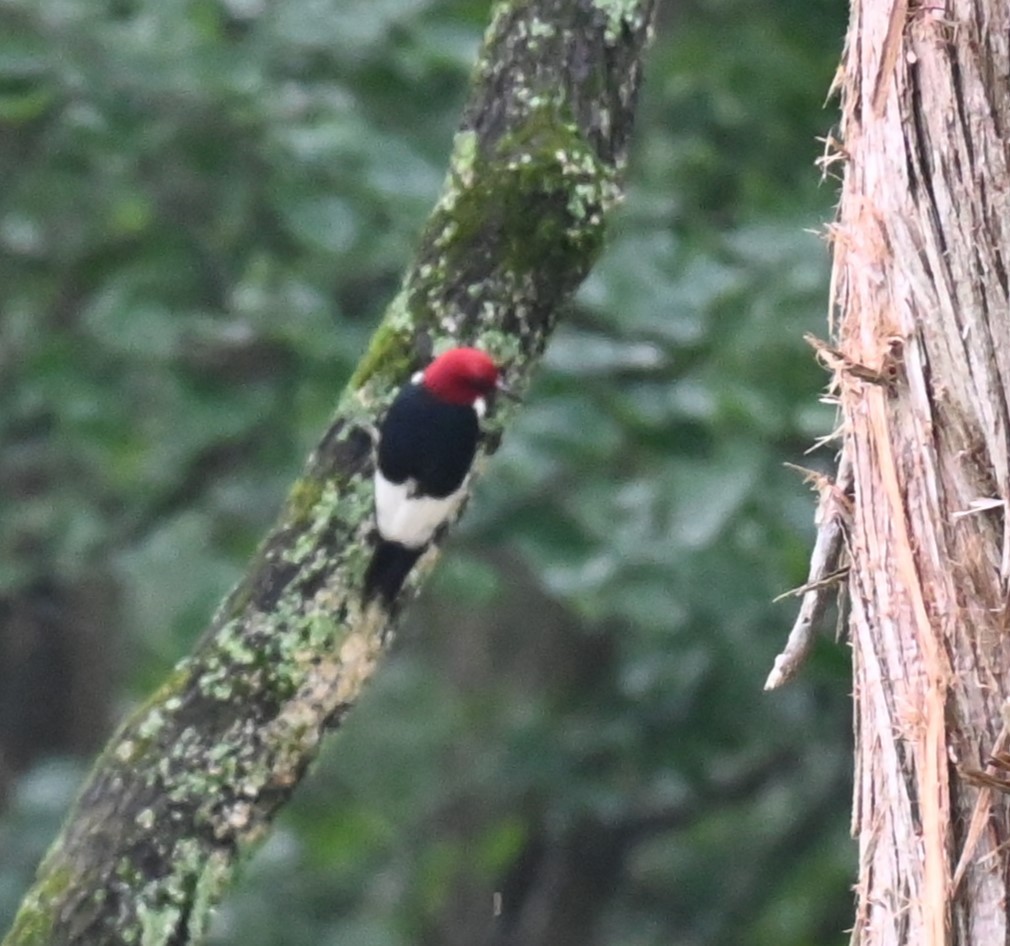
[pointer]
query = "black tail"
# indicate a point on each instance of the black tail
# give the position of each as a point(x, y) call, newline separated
point(391, 564)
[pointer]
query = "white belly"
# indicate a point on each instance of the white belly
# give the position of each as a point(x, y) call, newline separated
point(408, 519)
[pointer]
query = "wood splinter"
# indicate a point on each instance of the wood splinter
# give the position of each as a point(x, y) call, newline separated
point(824, 576)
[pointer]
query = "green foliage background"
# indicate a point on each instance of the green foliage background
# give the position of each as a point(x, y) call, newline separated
point(206, 206)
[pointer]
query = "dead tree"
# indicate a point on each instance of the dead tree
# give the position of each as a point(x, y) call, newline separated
point(922, 370)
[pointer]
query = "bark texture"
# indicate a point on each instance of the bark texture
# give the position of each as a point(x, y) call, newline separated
point(921, 249)
point(196, 775)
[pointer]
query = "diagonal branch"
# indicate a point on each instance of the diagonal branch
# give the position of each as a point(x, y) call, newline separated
point(195, 776)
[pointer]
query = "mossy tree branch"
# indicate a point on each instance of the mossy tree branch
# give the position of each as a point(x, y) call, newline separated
point(195, 776)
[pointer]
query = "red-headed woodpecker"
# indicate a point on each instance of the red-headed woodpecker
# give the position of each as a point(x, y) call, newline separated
point(427, 443)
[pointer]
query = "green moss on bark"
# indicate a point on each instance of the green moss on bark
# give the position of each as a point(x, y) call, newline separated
point(33, 925)
point(391, 349)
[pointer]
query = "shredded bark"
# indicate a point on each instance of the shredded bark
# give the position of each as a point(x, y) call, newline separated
point(920, 245)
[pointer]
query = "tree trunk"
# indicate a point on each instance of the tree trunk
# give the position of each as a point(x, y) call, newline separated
point(195, 777)
point(920, 281)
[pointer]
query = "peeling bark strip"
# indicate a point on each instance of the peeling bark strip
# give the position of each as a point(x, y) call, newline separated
point(826, 571)
point(921, 245)
point(196, 775)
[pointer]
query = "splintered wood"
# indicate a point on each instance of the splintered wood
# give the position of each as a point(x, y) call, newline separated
point(921, 246)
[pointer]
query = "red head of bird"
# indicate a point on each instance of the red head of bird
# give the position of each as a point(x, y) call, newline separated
point(462, 376)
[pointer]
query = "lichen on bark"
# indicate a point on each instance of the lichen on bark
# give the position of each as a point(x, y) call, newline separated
point(193, 779)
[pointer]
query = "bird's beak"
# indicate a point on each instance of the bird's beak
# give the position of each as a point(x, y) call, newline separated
point(502, 388)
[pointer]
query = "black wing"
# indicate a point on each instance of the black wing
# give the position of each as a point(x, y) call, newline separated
point(424, 439)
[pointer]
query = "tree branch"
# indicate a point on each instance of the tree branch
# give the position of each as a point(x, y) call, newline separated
point(195, 776)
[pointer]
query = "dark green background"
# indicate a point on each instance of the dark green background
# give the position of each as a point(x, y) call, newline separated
point(205, 206)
